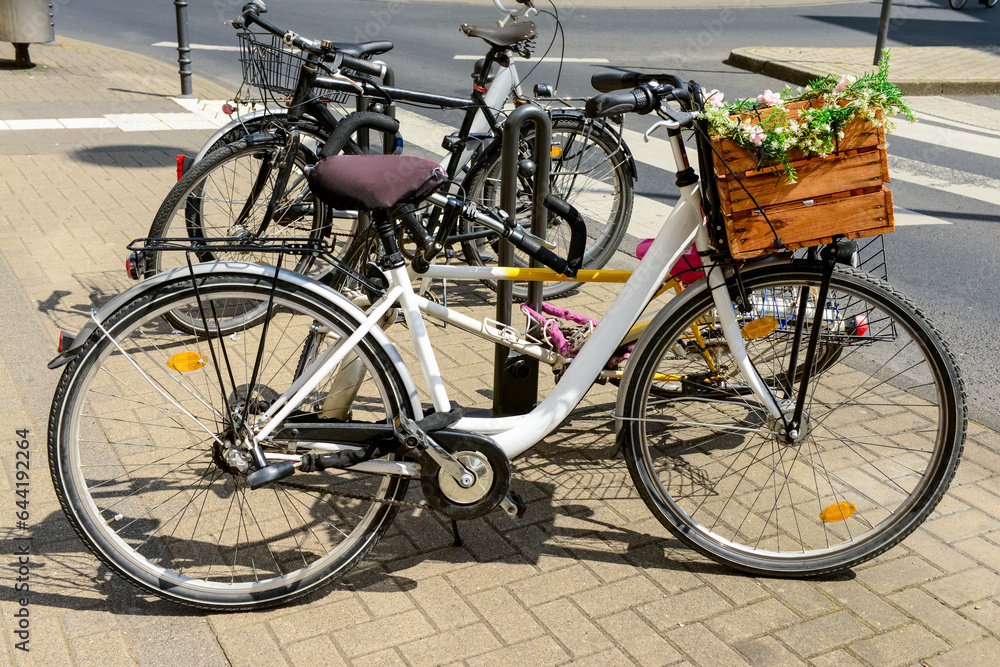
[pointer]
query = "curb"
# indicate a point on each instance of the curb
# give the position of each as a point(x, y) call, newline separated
point(748, 59)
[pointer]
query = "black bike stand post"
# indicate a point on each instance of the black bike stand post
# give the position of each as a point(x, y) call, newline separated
point(515, 376)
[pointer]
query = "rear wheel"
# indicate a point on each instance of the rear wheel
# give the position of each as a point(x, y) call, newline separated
point(882, 432)
point(145, 446)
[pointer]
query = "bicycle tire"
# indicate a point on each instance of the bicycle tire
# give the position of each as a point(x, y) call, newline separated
point(958, 4)
point(883, 436)
point(991, 3)
point(604, 197)
point(153, 494)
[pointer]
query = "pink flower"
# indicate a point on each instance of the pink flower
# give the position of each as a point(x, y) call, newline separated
point(713, 98)
point(769, 99)
point(756, 133)
point(845, 81)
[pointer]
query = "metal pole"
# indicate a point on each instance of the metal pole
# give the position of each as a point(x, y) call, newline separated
point(183, 48)
point(515, 377)
point(883, 30)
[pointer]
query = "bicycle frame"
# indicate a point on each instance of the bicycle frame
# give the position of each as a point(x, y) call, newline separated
point(517, 434)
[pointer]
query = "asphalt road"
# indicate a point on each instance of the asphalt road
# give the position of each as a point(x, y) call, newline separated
point(942, 266)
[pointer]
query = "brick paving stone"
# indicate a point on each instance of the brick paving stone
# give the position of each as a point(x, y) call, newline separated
point(865, 605)
point(753, 620)
point(905, 645)
point(985, 652)
point(451, 646)
point(967, 586)
point(896, 574)
point(540, 652)
point(984, 549)
point(314, 652)
point(379, 659)
point(633, 635)
point(963, 525)
point(684, 608)
point(538, 548)
point(944, 556)
point(608, 565)
point(553, 585)
point(834, 659)
point(572, 628)
point(801, 597)
point(703, 647)
point(936, 616)
point(985, 613)
point(442, 604)
point(318, 620)
point(382, 633)
point(766, 652)
point(485, 576)
point(379, 593)
point(609, 658)
point(819, 635)
point(740, 589)
point(251, 645)
point(617, 596)
point(107, 649)
point(978, 497)
point(197, 649)
point(505, 615)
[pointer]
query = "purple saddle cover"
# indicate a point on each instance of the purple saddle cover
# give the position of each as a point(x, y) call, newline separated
point(370, 182)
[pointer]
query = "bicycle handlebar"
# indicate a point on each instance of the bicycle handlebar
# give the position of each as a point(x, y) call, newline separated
point(251, 15)
point(608, 82)
point(642, 100)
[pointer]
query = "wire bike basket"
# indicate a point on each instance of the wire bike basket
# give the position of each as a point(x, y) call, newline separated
point(271, 71)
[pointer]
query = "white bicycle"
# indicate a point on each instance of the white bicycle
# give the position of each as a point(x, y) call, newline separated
point(807, 430)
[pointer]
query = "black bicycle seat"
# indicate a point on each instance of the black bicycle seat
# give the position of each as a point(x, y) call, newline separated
point(362, 49)
point(501, 37)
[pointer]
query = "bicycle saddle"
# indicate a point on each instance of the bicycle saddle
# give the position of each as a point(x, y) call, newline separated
point(501, 37)
point(371, 182)
point(362, 49)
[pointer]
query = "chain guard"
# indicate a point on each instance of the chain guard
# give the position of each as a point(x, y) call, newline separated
point(480, 455)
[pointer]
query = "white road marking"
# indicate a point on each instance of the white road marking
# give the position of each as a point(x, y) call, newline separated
point(945, 137)
point(200, 47)
point(549, 59)
point(953, 181)
point(904, 217)
point(954, 123)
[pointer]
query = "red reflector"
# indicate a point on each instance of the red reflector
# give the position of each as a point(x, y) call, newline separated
point(180, 166)
point(479, 89)
point(132, 266)
point(861, 324)
point(227, 109)
point(65, 341)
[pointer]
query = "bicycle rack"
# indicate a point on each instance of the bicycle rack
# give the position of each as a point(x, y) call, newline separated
point(515, 376)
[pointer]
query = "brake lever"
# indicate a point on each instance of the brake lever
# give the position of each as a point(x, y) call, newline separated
point(669, 124)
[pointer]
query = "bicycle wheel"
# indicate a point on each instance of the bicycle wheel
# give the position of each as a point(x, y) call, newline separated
point(589, 170)
point(145, 456)
point(991, 3)
point(882, 434)
point(958, 4)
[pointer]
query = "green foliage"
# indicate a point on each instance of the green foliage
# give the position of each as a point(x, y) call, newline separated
point(817, 129)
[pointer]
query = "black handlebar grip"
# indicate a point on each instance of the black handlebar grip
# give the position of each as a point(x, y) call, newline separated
point(532, 247)
point(362, 66)
point(608, 82)
point(639, 100)
point(348, 126)
point(578, 230)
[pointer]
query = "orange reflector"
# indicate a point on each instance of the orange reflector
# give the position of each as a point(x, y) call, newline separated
point(186, 361)
point(760, 327)
point(265, 263)
point(556, 151)
point(838, 512)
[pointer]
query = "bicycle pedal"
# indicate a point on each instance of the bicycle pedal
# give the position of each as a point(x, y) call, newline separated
point(513, 505)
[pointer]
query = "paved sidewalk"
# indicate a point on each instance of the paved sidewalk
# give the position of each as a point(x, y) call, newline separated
point(587, 577)
point(923, 70)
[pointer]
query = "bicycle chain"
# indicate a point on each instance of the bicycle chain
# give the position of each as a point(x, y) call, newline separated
point(354, 496)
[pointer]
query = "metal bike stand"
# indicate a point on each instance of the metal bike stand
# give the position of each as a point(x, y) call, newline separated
point(515, 376)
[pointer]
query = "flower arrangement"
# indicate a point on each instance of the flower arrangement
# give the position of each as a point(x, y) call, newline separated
point(764, 127)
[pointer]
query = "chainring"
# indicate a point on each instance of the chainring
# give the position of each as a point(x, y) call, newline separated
point(484, 459)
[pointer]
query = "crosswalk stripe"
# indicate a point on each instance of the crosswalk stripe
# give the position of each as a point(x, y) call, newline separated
point(947, 138)
point(952, 181)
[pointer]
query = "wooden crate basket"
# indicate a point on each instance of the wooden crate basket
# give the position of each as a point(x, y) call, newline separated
point(841, 194)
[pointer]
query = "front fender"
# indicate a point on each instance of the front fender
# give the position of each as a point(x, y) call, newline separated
point(298, 282)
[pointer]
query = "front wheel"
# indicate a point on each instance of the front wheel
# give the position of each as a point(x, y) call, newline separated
point(958, 4)
point(589, 169)
point(146, 450)
point(882, 431)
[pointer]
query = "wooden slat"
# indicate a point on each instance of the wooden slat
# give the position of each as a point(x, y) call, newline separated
point(800, 226)
point(818, 177)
